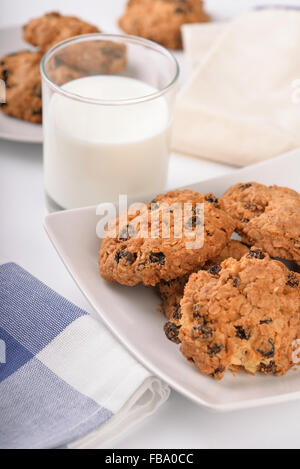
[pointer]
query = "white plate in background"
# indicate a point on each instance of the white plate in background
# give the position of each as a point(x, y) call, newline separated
point(131, 313)
point(16, 129)
point(11, 128)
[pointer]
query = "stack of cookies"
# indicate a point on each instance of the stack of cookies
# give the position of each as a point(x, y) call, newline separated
point(231, 305)
point(21, 71)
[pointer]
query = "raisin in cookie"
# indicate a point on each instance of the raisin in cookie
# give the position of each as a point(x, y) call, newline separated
point(240, 315)
point(166, 247)
point(52, 28)
point(268, 217)
point(95, 57)
point(161, 20)
point(171, 292)
point(21, 74)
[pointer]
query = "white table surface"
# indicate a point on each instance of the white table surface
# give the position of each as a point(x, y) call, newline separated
point(180, 423)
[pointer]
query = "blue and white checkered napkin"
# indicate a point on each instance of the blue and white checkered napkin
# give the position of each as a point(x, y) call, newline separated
point(64, 380)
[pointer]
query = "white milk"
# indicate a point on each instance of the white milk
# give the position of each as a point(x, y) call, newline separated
point(94, 153)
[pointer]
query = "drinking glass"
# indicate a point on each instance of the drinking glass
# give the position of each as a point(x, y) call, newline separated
point(108, 106)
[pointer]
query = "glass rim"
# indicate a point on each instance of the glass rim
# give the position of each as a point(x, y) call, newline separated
point(110, 102)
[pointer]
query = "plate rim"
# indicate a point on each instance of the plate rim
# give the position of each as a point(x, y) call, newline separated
point(17, 139)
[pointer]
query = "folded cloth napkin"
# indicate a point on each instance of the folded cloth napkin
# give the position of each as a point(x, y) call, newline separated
point(64, 380)
point(238, 106)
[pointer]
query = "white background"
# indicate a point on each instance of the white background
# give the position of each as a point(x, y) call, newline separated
point(180, 423)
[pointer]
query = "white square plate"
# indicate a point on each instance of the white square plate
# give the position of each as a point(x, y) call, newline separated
point(131, 313)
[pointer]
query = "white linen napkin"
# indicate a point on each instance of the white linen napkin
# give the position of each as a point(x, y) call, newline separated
point(198, 40)
point(238, 106)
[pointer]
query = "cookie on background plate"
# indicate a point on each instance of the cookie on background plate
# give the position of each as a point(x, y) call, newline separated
point(62, 74)
point(21, 74)
point(171, 292)
point(52, 28)
point(161, 20)
point(131, 259)
point(268, 217)
point(243, 315)
point(95, 57)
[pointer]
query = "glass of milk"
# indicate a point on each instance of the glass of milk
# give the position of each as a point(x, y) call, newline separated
point(108, 103)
